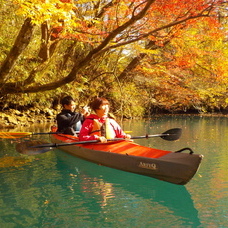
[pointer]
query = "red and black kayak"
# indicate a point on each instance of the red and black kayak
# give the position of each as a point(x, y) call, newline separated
point(175, 167)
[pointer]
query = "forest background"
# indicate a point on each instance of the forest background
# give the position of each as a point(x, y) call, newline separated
point(145, 56)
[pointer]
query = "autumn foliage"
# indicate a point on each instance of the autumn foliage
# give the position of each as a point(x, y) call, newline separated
point(166, 51)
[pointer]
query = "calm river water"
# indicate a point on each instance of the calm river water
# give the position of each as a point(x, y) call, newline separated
point(57, 190)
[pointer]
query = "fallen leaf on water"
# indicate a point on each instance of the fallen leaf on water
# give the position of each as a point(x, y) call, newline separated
point(46, 202)
point(13, 161)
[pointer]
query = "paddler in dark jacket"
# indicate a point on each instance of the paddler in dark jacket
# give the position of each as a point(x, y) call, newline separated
point(69, 121)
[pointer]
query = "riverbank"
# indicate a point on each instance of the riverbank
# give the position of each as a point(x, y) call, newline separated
point(13, 118)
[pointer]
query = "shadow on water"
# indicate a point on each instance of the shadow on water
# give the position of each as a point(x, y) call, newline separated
point(172, 200)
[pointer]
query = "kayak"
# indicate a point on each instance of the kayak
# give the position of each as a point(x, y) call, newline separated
point(174, 167)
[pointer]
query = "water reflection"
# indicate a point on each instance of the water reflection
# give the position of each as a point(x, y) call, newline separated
point(57, 190)
point(23, 188)
point(206, 135)
point(131, 195)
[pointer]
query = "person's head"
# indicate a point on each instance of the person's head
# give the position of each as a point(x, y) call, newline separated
point(100, 106)
point(68, 103)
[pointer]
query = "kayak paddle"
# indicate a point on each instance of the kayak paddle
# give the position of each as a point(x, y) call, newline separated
point(10, 135)
point(37, 147)
point(29, 147)
point(170, 135)
point(13, 135)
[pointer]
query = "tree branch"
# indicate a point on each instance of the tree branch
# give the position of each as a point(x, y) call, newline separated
point(79, 65)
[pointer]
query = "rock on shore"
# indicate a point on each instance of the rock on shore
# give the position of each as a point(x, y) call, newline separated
point(12, 118)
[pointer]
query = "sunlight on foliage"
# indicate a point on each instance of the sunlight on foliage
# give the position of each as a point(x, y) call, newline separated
point(46, 10)
point(151, 55)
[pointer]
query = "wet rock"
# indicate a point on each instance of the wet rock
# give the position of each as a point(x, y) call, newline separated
point(12, 118)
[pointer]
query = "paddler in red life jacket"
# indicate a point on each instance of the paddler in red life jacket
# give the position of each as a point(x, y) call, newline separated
point(99, 126)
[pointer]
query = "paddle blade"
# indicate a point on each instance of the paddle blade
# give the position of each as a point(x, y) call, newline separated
point(28, 147)
point(172, 134)
point(13, 135)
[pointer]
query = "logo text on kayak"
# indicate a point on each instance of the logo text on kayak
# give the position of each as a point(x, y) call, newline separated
point(144, 165)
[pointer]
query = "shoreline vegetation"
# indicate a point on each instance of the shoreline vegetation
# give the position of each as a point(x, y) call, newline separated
point(143, 64)
point(13, 118)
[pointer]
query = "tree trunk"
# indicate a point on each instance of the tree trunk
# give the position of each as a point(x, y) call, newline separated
point(21, 42)
point(44, 52)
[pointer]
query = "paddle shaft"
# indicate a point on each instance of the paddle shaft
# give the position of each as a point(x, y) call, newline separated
point(149, 136)
point(11, 135)
point(24, 134)
point(73, 143)
point(170, 135)
point(50, 133)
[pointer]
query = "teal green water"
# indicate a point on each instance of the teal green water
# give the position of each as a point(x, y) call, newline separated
point(57, 190)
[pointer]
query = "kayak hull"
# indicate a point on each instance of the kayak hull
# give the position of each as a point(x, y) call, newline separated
point(176, 168)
